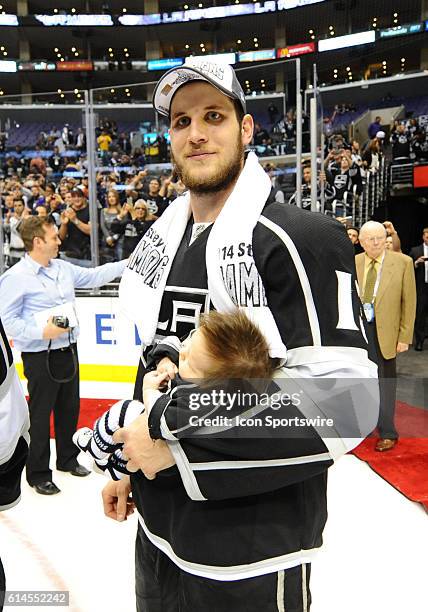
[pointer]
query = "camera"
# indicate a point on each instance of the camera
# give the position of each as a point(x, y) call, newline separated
point(60, 321)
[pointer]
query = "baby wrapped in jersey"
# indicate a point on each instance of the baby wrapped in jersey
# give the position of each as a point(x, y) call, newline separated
point(223, 347)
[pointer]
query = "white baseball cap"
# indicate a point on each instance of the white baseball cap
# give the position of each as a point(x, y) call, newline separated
point(381, 134)
point(221, 76)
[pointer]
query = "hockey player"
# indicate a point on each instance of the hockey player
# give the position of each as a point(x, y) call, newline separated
point(232, 521)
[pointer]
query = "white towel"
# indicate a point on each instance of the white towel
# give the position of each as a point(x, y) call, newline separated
point(233, 279)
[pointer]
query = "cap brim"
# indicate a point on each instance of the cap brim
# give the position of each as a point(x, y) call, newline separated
point(170, 83)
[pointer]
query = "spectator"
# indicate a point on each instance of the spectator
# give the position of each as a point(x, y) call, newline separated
point(75, 231)
point(124, 143)
point(261, 136)
point(37, 198)
point(104, 141)
point(12, 224)
point(354, 237)
point(132, 223)
point(401, 143)
point(374, 127)
point(420, 146)
point(156, 203)
point(109, 239)
point(419, 254)
point(371, 156)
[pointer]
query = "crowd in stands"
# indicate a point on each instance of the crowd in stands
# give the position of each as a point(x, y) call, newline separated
point(53, 180)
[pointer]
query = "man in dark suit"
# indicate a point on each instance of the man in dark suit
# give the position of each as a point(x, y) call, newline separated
point(419, 254)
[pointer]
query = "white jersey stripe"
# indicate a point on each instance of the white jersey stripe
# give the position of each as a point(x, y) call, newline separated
point(231, 572)
point(264, 463)
point(303, 277)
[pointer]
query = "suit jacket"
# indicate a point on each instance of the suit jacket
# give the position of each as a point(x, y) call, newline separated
point(395, 302)
point(415, 253)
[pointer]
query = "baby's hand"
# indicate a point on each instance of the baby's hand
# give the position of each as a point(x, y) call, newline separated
point(167, 366)
point(154, 380)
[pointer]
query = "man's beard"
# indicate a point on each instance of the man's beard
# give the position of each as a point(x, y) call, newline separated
point(223, 177)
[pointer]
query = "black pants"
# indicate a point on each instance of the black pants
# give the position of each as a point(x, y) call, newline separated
point(45, 396)
point(387, 373)
point(162, 587)
point(2, 585)
point(421, 312)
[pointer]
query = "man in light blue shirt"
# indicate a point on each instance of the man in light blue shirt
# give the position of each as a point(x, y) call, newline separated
point(28, 292)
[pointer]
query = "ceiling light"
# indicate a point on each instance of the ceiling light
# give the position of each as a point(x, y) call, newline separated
point(256, 44)
point(56, 49)
point(127, 89)
point(111, 90)
point(186, 46)
point(332, 33)
point(403, 59)
point(348, 68)
point(62, 59)
point(73, 49)
point(313, 37)
point(128, 94)
point(126, 50)
point(255, 39)
point(239, 41)
point(62, 95)
point(73, 10)
point(311, 31)
point(110, 49)
point(59, 90)
point(76, 91)
point(111, 55)
point(186, 7)
point(55, 10)
point(4, 53)
point(126, 54)
point(76, 54)
point(262, 80)
point(78, 95)
point(200, 5)
point(395, 14)
point(330, 28)
point(124, 10)
point(335, 76)
point(1, 92)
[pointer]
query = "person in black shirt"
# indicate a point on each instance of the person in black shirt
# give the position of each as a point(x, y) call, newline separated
point(132, 223)
point(400, 140)
point(155, 202)
point(75, 231)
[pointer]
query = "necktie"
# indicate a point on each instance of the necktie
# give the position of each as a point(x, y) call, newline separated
point(370, 283)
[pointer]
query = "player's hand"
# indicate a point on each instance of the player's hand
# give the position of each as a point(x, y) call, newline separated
point(145, 454)
point(116, 501)
point(51, 331)
point(419, 260)
point(402, 347)
point(167, 366)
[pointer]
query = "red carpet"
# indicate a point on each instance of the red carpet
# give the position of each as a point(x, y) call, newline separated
point(90, 410)
point(405, 467)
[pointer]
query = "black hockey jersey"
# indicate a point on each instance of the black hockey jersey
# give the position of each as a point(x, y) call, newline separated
point(234, 508)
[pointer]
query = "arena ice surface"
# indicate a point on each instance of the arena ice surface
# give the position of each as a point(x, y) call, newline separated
point(55, 543)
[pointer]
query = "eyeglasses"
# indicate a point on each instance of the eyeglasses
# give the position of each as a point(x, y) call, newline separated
point(375, 238)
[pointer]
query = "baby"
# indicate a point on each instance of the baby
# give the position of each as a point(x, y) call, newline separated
point(223, 347)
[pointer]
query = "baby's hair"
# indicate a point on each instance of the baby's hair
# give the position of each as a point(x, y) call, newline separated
point(237, 347)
